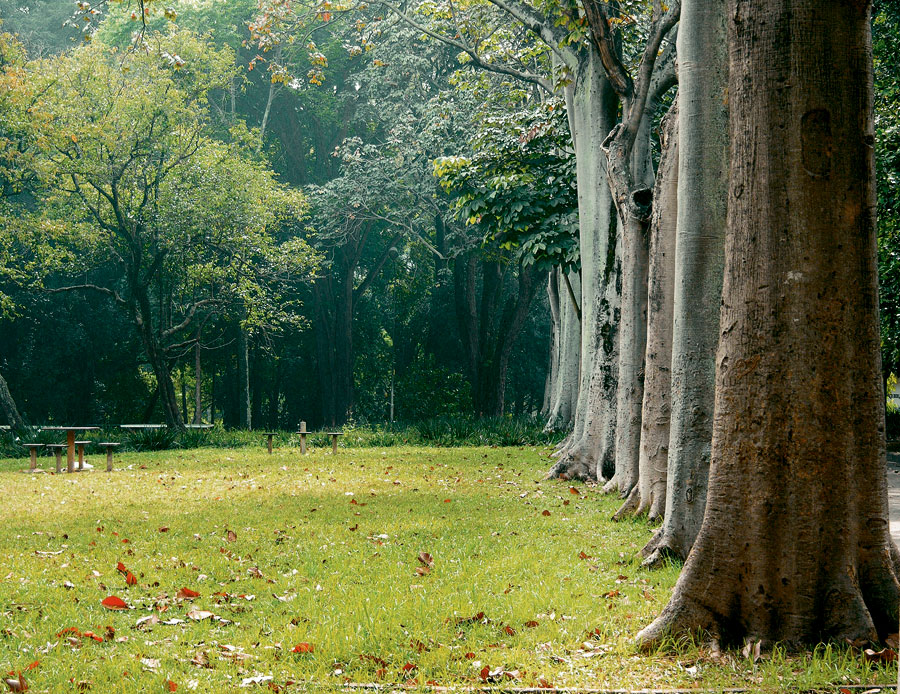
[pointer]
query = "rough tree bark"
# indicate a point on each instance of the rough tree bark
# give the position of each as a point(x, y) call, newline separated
point(649, 496)
point(593, 106)
point(8, 405)
point(795, 543)
point(699, 262)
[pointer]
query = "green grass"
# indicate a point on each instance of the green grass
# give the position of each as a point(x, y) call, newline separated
point(342, 576)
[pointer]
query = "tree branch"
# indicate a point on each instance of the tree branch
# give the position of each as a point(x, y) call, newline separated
point(188, 318)
point(90, 287)
point(373, 273)
point(541, 27)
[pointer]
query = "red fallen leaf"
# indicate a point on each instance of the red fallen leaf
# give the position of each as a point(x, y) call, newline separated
point(509, 631)
point(544, 684)
point(885, 655)
point(92, 635)
point(114, 603)
point(171, 686)
point(353, 528)
point(584, 555)
point(409, 667)
point(413, 682)
point(446, 501)
point(165, 529)
point(69, 630)
point(431, 683)
point(125, 540)
point(545, 512)
point(130, 579)
point(470, 656)
point(303, 648)
point(374, 659)
point(354, 502)
point(33, 665)
point(187, 594)
point(611, 594)
point(120, 567)
point(531, 623)
point(566, 502)
point(426, 559)
point(231, 536)
point(572, 490)
point(422, 570)
point(380, 673)
point(595, 632)
point(484, 672)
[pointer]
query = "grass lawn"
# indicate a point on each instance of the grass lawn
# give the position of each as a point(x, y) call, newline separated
point(531, 584)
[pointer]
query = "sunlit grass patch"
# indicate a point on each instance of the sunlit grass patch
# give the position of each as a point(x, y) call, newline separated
point(531, 583)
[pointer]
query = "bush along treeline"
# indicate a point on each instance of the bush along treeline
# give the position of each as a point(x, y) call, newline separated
point(445, 431)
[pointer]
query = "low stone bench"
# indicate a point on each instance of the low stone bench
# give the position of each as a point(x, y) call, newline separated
point(109, 447)
point(334, 437)
point(81, 445)
point(57, 449)
point(32, 454)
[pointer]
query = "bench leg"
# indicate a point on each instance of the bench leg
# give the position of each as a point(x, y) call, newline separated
point(334, 444)
point(269, 443)
point(81, 458)
point(109, 459)
point(58, 461)
point(302, 444)
point(33, 459)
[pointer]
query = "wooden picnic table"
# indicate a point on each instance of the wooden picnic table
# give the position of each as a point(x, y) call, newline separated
point(70, 442)
point(142, 426)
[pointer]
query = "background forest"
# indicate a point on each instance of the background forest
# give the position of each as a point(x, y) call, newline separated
point(242, 213)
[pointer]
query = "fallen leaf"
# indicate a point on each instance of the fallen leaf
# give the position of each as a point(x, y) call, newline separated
point(187, 594)
point(231, 536)
point(572, 490)
point(114, 602)
point(470, 656)
point(545, 512)
point(171, 686)
point(426, 559)
point(584, 555)
point(130, 579)
point(198, 615)
point(259, 679)
point(303, 648)
point(409, 667)
point(509, 631)
point(165, 529)
point(422, 570)
point(885, 655)
point(120, 567)
point(18, 684)
point(151, 664)
point(531, 623)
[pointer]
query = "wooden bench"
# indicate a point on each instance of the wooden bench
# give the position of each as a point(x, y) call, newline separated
point(32, 454)
point(109, 447)
point(334, 437)
point(269, 435)
point(57, 449)
point(81, 445)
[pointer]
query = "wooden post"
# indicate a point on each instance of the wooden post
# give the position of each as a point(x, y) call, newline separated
point(302, 433)
point(269, 442)
point(32, 450)
point(109, 456)
point(334, 443)
point(57, 451)
point(70, 451)
point(80, 457)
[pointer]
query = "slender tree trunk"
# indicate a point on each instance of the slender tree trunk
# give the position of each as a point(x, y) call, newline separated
point(184, 410)
point(553, 366)
point(245, 420)
point(562, 409)
point(198, 381)
point(699, 262)
point(649, 496)
point(593, 105)
point(8, 406)
point(795, 544)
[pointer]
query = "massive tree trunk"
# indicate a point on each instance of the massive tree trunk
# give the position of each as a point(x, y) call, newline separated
point(593, 106)
point(649, 496)
point(8, 406)
point(565, 392)
point(795, 543)
point(699, 262)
